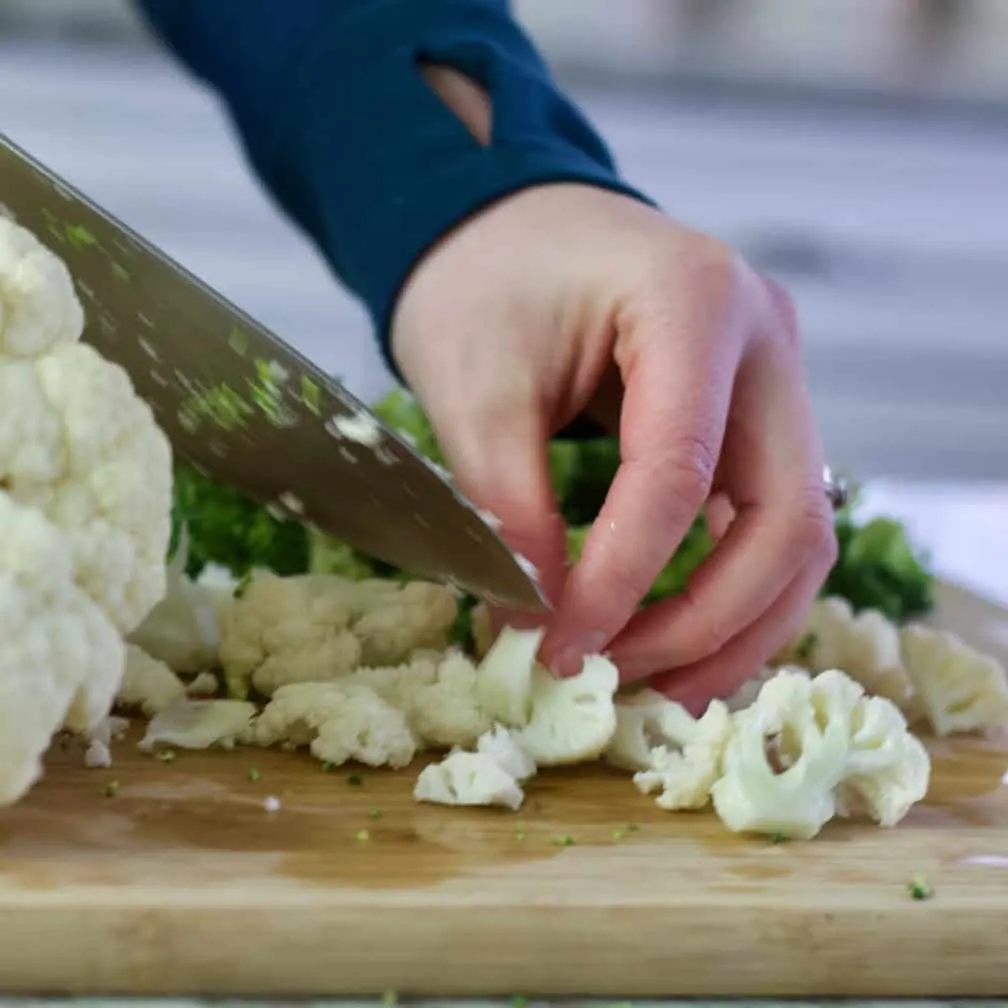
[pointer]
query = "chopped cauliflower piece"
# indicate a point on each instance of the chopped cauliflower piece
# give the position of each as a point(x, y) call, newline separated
point(685, 767)
point(888, 770)
point(78, 444)
point(573, 719)
point(183, 629)
point(836, 751)
point(61, 657)
point(444, 711)
point(403, 618)
point(501, 747)
point(644, 720)
point(752, 796)
point(504, 678)
point(147, 684)
point(338, 722)
point(200, 724)
point(866, 645)
point(467, 778)
point(957, 689)
point(482, 629)
point(319, 627)
point(39, 308)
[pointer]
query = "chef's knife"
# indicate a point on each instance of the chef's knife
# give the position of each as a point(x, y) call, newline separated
point(244, 407)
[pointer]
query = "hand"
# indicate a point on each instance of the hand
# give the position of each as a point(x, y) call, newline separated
point(567, 299)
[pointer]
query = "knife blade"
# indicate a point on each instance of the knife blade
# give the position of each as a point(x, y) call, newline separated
point(244, 407)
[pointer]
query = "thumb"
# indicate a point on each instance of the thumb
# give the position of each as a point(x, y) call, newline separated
point(499, 455)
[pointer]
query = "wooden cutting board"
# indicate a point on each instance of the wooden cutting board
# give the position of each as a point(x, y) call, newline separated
point(182, 883)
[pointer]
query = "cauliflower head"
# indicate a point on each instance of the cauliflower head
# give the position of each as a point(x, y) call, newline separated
point(957, 689)
point(61, 657)
point(78, 444)
point(39, 308)
point(339, 722)
point(468, 778)
point(319, 627)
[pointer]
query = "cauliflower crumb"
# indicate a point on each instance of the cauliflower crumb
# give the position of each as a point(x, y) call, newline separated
point(467, 778)
point(338, 722)
point(97, 755)
point(957, 689)
point(271, 803)
point(147, 684)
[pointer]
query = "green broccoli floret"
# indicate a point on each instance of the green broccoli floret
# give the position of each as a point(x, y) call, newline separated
point(227, 528)
point(692, 551)
point(330, 556)
point(400, 411)
point(878, 568)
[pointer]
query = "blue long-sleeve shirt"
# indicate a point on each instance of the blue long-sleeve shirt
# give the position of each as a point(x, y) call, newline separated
point(343, 130)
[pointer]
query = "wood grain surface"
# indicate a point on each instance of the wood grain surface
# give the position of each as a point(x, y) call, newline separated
point(182, 882)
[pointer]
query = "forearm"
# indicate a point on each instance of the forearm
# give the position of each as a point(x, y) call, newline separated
point(336, 105)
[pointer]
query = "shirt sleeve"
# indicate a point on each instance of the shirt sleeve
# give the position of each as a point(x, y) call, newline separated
point(341, 127)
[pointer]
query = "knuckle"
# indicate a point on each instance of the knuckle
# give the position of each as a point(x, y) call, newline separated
point(813, 532)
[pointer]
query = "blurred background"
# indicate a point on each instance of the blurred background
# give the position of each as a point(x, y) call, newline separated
point(856, 149)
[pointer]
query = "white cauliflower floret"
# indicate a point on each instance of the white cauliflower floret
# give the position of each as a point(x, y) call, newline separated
point(499, 744)
point(796, 797)
point(60, 656)
point(78, 444)
point(504, 679)
point(644, 720)
point(183, 629)
point(865, 645)
point(319, 627)
point(39, 308)
point(573, 719)
point(287, 630)
point(200, 724)
point(888, 770)
point(685, 766)
point(467, 778)
point(837, 750)
point(403, 618)
point(339, 722)
point(957, 689)
point(147, 684)
point(443, 712)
